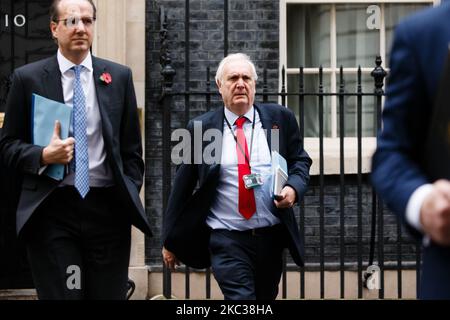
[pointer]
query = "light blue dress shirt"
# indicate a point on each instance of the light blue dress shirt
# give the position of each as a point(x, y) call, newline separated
point(224, 212)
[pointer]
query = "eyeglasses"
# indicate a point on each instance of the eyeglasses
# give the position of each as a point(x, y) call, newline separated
point(72, 22)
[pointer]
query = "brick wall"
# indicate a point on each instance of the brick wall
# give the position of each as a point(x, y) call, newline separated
point(332, 223)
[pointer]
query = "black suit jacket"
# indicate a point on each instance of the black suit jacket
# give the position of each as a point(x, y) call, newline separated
point(185, 232)
point(120, 125)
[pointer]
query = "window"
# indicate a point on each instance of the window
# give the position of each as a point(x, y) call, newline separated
point(331, 34)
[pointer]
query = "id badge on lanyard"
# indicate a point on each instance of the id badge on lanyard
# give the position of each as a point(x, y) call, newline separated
point(252, 181)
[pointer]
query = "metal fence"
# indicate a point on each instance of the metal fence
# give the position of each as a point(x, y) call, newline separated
point(375, 244)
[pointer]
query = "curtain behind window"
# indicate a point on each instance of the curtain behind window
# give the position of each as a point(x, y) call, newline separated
point(308, 45)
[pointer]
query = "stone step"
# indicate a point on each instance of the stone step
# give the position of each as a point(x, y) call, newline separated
point(18, 294)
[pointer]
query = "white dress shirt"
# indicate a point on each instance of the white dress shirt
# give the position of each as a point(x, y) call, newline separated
point(100, 174)
point(224, 213)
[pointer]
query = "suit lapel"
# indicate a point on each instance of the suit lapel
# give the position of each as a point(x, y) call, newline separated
point(103, 95)
point(214, 122)
point(267, 123)
point(52, 81)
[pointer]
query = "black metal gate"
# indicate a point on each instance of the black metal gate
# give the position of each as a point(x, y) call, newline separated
point(25, 37)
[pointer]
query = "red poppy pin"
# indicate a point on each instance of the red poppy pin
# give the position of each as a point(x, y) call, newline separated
point(106, 78)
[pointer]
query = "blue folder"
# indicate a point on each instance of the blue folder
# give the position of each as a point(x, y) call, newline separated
point(45, 113)
point(279, 173)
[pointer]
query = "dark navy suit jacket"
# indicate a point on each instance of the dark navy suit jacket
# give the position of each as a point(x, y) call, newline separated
point(185, 232)
point(120, 127)
point(418, 56)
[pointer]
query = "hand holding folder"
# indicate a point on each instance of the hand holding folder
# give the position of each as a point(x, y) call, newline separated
point(279, 173)
point(45, 113)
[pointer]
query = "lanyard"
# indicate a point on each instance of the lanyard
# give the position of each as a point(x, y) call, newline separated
point(251, 140)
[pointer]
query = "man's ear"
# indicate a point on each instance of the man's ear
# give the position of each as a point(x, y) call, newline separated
point(219, 85)
point(53, 29)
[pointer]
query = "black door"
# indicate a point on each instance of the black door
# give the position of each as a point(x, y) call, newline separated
point(24, 38)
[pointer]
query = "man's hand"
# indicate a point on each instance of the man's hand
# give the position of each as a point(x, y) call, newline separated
point(169, 259)
point(286, 199)
point(58, 151)
point(435, 213)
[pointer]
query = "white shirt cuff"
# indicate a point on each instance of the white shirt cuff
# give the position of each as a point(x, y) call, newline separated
point(415, 203)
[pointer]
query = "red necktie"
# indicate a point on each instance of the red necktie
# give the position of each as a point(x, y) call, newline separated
point(247, 205)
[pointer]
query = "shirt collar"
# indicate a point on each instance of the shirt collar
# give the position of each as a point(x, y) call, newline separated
point(232, 117)
point(65, 64)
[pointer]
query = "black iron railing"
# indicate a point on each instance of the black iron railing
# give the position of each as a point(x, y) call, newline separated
point(369, 250)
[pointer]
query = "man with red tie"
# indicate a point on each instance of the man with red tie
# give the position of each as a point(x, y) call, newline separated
point(231, 222)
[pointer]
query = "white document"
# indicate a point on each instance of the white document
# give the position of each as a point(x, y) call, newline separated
point(279, 173)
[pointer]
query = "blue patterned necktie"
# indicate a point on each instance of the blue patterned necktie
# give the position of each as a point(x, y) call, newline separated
point(80, 135)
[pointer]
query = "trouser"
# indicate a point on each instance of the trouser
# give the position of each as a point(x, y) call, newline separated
point(247, 264)
point(79, 248)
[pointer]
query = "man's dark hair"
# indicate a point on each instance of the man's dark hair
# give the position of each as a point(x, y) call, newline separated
point(54, 13)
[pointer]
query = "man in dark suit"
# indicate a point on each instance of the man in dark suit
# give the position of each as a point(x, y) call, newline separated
point(77, 231)
point(232, 226)
point(419, 51)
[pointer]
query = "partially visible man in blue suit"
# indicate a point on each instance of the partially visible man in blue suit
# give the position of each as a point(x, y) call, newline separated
point(418, 56)
point(234, 227)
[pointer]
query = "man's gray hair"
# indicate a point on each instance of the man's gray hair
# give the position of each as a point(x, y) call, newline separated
point(235, 57)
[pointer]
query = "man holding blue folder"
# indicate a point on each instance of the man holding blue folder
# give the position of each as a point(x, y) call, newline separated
point(77, 228)
point(232, 222)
